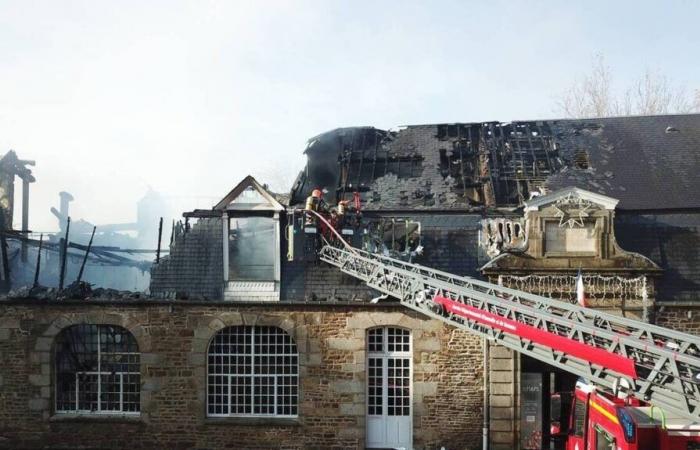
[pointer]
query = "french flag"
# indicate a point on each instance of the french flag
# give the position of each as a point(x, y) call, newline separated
point(580, 292)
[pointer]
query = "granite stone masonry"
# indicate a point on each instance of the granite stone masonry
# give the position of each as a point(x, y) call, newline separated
point(173, 337)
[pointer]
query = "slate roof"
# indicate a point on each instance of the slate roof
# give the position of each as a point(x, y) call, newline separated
point(647, 162)
point(672, 241)
point(635, 160)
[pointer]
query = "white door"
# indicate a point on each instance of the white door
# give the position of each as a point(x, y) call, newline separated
point(389, 408)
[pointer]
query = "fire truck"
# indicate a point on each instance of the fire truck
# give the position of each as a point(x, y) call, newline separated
point(639, 384)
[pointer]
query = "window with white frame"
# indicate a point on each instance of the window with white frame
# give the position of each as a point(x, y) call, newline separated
point(97, 370)
point(252, 371)
point(388, 372)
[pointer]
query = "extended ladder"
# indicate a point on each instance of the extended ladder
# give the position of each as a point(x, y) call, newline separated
point(659, 365)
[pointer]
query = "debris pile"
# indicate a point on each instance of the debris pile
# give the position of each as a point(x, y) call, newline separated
point(79, 290)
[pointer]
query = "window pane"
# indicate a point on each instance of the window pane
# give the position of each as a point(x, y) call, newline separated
point(131, 399)
point(241, 395)
point(389, 372)
point(264, 395)
point(398, 385)
point(110, 392)
point(374, 382)
point(262, 366)
point(217, 394)
point(252, 249)
point(97, 361)
point(87, 392)
point(65, 392)
point(398, 340)
point(375, 339)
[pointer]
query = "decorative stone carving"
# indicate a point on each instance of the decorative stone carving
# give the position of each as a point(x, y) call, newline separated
point(572, 210)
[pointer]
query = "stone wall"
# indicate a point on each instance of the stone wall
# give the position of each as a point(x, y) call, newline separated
point(173, 338)
point(685, 318)
point(195, 265)
point(504, 393)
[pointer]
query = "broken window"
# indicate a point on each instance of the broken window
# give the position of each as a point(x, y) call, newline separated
point(252, 249)
point(392, 236)
point(97, 370)
point(252, 371)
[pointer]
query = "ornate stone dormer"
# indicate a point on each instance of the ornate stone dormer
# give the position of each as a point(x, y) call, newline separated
point(561, 233)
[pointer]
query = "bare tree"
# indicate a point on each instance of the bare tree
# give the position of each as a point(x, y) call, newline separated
point(591, 96)
point(653, 93)
point(278, 175)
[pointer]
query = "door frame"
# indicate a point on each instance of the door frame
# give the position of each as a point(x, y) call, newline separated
point(385, 355)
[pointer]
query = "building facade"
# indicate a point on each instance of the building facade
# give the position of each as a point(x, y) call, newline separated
point(247, 341)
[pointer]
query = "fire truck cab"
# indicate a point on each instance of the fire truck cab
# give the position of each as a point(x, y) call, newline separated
point(591, 419)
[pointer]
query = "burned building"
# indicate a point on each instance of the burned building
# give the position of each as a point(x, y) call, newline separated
point(248, 341)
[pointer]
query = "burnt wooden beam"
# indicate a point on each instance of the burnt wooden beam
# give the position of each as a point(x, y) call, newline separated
point(160, 236)
point(85, 258)
point(6, 284)
point(38, 261)
point(64, 256)
point(25, 215)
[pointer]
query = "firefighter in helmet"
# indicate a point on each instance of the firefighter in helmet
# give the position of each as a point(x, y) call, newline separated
point(314, 202)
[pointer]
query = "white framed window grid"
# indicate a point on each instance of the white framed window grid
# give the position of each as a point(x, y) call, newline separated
point(252, 371)
point(389, 372)
point(97, 371)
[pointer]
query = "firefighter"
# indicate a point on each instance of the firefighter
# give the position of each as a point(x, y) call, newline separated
point(314, 202)
point(342, 213)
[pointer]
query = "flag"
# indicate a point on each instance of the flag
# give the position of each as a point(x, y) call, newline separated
point(580, 292)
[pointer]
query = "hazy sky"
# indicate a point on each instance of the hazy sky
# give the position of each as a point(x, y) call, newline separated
point(189, 97)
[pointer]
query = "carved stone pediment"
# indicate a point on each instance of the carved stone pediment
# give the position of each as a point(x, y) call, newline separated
point(565, 230)
point(571, 196)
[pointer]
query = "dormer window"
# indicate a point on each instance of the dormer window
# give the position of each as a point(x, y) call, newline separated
point(251, 253)
point(252, 250)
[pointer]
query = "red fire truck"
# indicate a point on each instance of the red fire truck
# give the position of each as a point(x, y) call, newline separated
point(589, 418)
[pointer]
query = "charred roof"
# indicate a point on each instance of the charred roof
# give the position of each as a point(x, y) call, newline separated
point(468, 166)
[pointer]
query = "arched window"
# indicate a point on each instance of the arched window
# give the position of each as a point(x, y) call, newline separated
point(252, 371)
point(97, 370)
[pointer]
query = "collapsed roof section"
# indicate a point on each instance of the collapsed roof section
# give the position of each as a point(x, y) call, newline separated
point(645, 161)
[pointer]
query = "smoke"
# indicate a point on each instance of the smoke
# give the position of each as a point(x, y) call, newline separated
point(252, 249)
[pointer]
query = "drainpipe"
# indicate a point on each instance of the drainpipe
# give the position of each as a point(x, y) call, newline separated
point(487, 405)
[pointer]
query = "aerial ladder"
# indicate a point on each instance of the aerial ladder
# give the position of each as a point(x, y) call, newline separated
point(653, 364)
